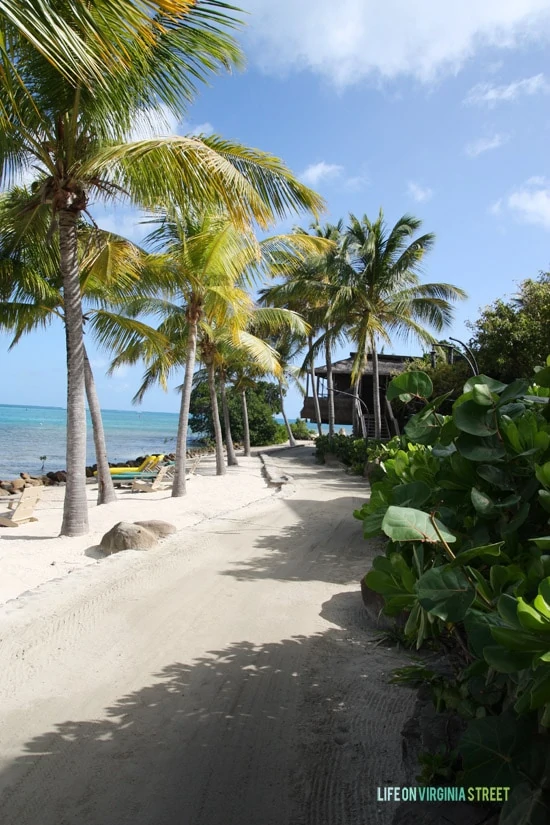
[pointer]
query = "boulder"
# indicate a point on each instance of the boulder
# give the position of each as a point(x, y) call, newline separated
point(161, 529)
point(127, 536)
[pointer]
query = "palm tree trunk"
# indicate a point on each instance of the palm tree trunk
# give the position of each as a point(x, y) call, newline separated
point(246, 425)
point(291, 439)
point(75, 508)
point(376, 393)
point(220, 464)
point(179, 486)
point(231, 457)
point(357, 429)
point(105, 487)
point(313, 381)
point(330, 389)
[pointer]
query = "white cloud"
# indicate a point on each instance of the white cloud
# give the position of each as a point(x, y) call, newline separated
point(419, 193)
point(161, 123)
point(484, 93)
point(200, 129)
point(316, 173)
point(122, 222)
point(487, 144)
point(529, 202)
point(366, 38)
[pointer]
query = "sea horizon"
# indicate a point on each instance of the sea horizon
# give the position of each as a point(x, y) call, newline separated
point(30, 431)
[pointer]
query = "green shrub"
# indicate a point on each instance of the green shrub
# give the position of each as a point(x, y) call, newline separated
point(464, 502)
point(300, 430)
point(351, 451)
point(263, 403)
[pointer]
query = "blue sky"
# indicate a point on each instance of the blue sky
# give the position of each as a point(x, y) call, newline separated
point(433, 108)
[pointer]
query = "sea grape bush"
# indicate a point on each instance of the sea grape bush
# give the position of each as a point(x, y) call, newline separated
point(351, 451)
point(464, 501)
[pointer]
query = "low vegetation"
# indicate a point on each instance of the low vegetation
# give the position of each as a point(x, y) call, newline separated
point(464, 501)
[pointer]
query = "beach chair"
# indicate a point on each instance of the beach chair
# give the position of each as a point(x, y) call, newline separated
point(144, 486)
point(140, 485)
point(148, 465)
point(23, 511)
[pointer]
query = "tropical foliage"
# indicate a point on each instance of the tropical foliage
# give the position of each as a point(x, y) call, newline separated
point(511, 337)
point(464, 502)
point(262, 404)
point(77, 82)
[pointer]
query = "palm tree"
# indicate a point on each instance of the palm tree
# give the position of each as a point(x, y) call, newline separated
point(382, 296)
point(103, 36)
point(311, 287)
point(73, 134)
point(288, 344)
point(208, 260)
point(244, 372)
point(30, 287)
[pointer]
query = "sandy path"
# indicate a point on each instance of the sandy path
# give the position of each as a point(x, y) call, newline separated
point(227, 678)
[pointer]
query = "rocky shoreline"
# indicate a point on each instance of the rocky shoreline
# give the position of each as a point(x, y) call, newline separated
point(59, 477)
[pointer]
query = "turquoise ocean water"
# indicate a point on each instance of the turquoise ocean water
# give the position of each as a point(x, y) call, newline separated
point(27, 433)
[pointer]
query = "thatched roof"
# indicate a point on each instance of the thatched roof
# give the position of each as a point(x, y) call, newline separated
point(387, 365)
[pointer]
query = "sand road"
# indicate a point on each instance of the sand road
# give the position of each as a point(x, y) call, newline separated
point(227, 678)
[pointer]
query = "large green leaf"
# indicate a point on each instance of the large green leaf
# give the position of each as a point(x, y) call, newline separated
point(522, 641)
point(446, 593)
point(489, 747)
point(516, 389)
point(480, 449)
point(471, 418)
point(481, 394)
point(408, 524)
point(531, 619)
point(372, 524)
point(414, 494)
point(491, 383)
point(483, 504)
point(526, 805)
point(506, 661)
point(477, 552)
point(497, 476)
point(478, 628)
point(409, 385)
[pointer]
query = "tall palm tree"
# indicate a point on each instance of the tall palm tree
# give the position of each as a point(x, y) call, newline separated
point(288, 344)
point(83, 40)
point(73, 134)
point(311, 286)
point(31, 297)
point(208, 261)
point(382, 295)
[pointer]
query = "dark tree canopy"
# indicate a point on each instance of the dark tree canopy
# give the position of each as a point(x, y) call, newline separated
point(512, 337)
point(262, 402)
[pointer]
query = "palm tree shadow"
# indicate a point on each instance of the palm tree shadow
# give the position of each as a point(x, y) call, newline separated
point(337, 552)
point(235, 738)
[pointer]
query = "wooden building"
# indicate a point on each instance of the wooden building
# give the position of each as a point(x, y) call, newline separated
point(344, 404)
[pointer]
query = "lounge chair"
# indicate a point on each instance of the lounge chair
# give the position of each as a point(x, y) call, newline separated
point(165, 474)
point(149, 464)
point(23, 511)
point(141, 485)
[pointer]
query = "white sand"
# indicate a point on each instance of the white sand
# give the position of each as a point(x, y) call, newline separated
point(34, 553)
point(227, 677)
